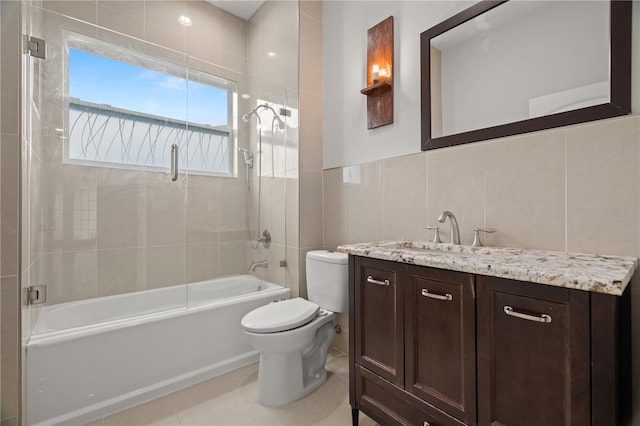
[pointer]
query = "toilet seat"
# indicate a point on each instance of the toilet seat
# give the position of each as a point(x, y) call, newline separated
point(280, 316)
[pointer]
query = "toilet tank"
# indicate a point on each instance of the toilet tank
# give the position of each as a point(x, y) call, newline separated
point(328, 279)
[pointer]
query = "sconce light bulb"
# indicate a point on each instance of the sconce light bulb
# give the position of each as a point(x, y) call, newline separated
point(375, 72)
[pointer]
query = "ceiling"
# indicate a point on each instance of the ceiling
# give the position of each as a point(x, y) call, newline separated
point(242, 8)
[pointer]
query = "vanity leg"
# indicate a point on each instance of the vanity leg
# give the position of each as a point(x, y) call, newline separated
point(354, 416)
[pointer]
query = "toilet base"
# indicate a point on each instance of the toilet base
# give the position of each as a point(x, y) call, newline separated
point(287, 377)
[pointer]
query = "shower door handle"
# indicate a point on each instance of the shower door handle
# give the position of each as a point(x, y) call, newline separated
point(174, 162)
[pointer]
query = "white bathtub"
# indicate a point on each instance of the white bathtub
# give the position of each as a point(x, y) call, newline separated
point(90, 358)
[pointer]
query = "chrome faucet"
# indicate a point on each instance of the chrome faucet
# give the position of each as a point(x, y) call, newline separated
point(258, 264)
point(453, 226)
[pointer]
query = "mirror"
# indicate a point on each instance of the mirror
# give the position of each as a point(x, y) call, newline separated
point(501, 68)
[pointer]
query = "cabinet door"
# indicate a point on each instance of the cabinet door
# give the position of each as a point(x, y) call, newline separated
point(533, 354)
point(379, 334)
point(440, 340)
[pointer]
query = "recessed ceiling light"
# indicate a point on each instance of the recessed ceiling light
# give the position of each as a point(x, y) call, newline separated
point(185, 20)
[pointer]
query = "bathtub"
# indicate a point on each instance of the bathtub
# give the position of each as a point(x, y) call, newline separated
point(91, 358)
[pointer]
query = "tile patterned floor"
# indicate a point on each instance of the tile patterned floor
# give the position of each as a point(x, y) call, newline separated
point(230, 400)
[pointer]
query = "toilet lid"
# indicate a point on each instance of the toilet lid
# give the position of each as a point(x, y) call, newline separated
point(280, 316)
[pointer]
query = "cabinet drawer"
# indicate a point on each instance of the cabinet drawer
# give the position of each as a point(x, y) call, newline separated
point(390, 405)
point(379, 318)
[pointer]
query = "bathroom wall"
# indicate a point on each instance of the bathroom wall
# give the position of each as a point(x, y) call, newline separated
point(273, 78)
point(107, 231)
point(10, 379)
point(575, 188)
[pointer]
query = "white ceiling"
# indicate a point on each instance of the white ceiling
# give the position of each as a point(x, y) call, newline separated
point(242, 8)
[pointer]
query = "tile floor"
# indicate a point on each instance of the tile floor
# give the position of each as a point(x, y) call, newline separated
point(230, 400)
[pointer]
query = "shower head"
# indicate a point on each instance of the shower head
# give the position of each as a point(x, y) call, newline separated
point(247, 116)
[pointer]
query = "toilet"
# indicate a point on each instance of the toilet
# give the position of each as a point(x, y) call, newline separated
point(293, 336)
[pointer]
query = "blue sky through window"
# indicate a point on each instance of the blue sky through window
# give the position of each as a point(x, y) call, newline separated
point(102, 80)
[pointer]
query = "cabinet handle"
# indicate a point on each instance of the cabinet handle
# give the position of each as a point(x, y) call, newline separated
point(372, 280)
point(446, 296)
point(537, 318)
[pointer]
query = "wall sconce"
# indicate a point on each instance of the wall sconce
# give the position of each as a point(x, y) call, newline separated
point(379, 90)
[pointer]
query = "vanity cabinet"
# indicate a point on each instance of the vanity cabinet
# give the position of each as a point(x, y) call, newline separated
point(438, 347)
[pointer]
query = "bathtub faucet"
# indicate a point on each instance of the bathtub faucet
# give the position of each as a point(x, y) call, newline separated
point(258, 264)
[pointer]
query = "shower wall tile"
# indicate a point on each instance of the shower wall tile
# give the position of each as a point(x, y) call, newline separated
point(310, 132)
point(165, 210)
point(312, 8)
point(233, 34)
point(233, 196)
point(525, 191)
point(196, 48)
point(70, 207)
point(293, 270)
point(405, 203)
point(10, 348)
point(164, 265)
point(310, 55)
point(337, 208)
point(81, 10)
point(366, 202)
point(205, 20)
point(603, 185)
point(121, 208)
point(165, 14)
point(10, 67)
point(311, 227)
point(9, 207)
point(116, 20)
point(203, 209)
point(167, 37)
point(233, 257)
point(69, 275)
point(202, 261)
point(128, 7)
point(291, 218)
point(120, 271)
point(233, 61)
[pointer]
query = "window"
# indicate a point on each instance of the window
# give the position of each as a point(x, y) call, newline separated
point(126, 109)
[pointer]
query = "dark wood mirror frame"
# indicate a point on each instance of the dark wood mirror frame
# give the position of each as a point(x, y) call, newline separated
point(620, 81)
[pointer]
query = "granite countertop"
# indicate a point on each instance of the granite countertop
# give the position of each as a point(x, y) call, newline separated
point(589, 272)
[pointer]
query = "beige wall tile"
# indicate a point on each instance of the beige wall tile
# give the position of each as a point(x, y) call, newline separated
point(203, 209)
point(233, 206)
point(293, 270)
point(405, 204)
point(205, 19)
point(82, 10)
point(165, 14)
point(202, 261)
point(9, 207)
point(233, 257)
point(69, 208)
point(337, 208)
point(455, 182)
point(10, 352)
point(310, 55)
point(311, 230)
point(10, 67)
point(367, 203)
point(121, 209)
point(310, 131)
point(164, 265)
point(116, 20)
point(198, 49)
point(233, 34)
point(165, 210)
point(120, 271)
point(292, 219)
point(603, 187)
point(164, 36)
point(69, 275)
point(233, 61)
point(312, 8)
point(525, 191)
point(128, 7)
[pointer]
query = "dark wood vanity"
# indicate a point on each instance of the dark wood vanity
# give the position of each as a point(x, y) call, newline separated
point(437, 347)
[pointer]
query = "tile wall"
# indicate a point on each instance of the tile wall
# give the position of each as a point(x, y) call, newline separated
point(573, 188)
point(10, 379)
point(101, 231)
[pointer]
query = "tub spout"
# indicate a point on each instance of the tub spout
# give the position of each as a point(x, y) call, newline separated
point(258, 264)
